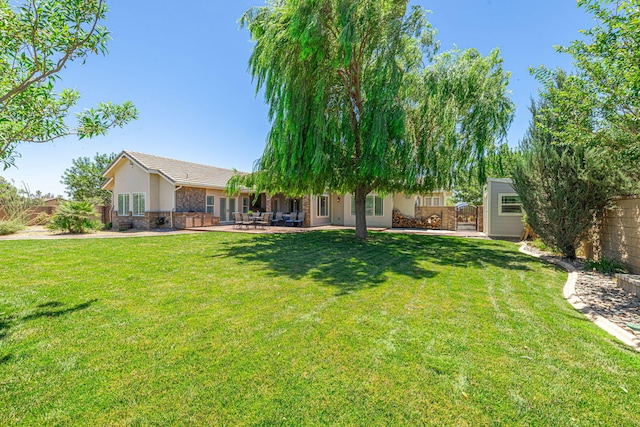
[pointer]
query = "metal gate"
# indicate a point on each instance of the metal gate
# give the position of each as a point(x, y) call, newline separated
point(466, 217)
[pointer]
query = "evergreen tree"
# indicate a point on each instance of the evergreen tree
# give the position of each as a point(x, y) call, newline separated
point(563, 185)
point(83, 180)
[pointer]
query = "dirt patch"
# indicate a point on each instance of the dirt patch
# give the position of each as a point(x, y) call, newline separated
point(41, 232)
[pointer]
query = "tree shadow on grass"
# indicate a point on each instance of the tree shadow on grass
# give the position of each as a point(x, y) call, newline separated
point(338, 259)
point(48, 309)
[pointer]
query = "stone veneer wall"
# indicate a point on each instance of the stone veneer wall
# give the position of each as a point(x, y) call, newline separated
point(189, 199)
point(148, 221)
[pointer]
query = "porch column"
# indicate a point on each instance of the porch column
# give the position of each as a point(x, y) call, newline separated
point(267, 203)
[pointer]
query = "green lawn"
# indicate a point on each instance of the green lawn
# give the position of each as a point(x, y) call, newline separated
point(300, 329)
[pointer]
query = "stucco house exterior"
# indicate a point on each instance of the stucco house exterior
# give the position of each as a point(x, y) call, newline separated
point(502, 209)
point(157, 192)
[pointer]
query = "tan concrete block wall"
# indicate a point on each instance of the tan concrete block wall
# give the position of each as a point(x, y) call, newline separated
point(620, 234)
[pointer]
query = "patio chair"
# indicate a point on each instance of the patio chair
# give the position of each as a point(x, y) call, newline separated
point(237, 220)
point(278, 219)
point(292, 218)
point(246, 221)
point(265, 220)
point(298, 222)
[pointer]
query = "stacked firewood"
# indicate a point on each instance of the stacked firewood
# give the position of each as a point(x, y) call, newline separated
point(402, 221)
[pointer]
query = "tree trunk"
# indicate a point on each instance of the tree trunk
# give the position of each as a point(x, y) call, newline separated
point(361, 217)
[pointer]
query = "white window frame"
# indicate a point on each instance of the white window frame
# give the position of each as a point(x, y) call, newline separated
point(319, 204)
point(433, 201)
point(501, 204)
point(138, 210)
point(211, 205)
point(376, 201)
point(245, 205)
point(124, 210)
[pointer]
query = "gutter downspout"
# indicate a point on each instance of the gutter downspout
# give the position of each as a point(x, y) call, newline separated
point(174, 205)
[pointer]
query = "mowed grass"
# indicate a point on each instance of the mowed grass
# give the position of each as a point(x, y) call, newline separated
point(300, 329)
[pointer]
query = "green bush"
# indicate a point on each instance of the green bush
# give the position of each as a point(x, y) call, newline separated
point(606, 266)
point(75, 218)
point(563, 185)
point(10, 227)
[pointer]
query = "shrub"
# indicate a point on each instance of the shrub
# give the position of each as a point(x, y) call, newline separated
point(606, 266)
point(75, 218)
point(10, 227)
point(41, 219)
point(563, 185)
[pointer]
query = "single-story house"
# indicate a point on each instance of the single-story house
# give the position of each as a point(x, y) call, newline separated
point(502, 209)
point(156, 192)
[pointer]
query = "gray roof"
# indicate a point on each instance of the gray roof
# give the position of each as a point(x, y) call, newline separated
point(179, 172)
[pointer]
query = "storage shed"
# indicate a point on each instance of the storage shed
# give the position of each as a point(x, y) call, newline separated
point(502, 209)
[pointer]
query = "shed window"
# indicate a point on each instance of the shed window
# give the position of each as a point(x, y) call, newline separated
point(509, 204)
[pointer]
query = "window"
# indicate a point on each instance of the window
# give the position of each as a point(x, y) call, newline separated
point(275, 205)
point(210, 204)
point(138, 204)
point(432, 201)
point(323, 206)
point(378, 206)
point(373, 206)
point(245, 205)
point(509, 204)
point(123, 204)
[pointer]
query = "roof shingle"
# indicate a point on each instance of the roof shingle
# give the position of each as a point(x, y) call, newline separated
point(183, 173)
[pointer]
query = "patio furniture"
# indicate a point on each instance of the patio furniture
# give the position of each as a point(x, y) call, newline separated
point(237, 220)
point(265, 220)
point(278, 220)
point(247, 220)
point(289, 221)
point(298, 222)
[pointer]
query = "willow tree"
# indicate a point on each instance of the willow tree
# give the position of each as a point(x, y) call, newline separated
point(360, 102)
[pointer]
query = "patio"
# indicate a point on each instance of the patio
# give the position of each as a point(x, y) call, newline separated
point(230, 228)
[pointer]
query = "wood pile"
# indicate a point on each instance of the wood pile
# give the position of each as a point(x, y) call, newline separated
point(402, 221)
point(528, 233)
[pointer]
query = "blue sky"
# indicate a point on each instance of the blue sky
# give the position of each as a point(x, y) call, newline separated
point(185, 68)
